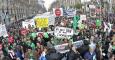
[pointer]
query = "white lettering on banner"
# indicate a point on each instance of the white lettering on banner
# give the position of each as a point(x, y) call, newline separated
point(3, 31)
point(62, 32)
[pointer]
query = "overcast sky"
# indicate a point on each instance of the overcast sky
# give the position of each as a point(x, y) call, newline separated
point(47, 3)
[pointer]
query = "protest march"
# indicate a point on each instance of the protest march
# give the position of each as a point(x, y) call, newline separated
point(55, 36)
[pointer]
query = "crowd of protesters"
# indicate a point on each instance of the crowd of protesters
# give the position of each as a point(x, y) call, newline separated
point(98, 45)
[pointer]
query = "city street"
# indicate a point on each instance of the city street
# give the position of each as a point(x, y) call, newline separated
point(57, 29)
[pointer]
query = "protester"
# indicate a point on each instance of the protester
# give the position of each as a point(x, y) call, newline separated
point(32, 43)
point(91, 54)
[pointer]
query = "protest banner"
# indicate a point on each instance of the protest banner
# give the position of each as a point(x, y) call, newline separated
point(75, 22)
point(83, 17)
point(62, 32)
point(3, 31)
point(51, 17)
point(25, 24)
point(62, 48)
point(78, 44)
point(92, 6)
point(58, 12)
point(51, 20)
point(41, 22)
point(70, 12)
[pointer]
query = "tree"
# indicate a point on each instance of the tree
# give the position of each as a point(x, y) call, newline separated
point(78, 6)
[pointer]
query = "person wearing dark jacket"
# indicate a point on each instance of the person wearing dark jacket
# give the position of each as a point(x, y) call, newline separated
point(53, 55)
point(71, 55)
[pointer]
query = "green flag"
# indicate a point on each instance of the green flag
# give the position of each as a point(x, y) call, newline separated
point(46, 35)
point(98, 22)
point(75, 22)
point(33, 34)
point(33, 46)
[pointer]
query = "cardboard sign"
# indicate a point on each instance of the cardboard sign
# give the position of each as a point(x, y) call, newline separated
point(78, 44)
point(3, 31)
point(25, 24)
point(62, 48)
point(70, 12)
point(83, 17)
point(41, 22)
point(51, 20)
point(62, 32)
point(58, 12)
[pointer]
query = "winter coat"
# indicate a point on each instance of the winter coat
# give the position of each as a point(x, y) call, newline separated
point(71, 55)
point(89, 56)
point(53, 55)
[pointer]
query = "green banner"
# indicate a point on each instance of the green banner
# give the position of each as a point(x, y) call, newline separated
point(75, 22)
point(98, 22)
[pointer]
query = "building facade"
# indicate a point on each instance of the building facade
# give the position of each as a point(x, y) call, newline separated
point(11, 10)
point(68, 3)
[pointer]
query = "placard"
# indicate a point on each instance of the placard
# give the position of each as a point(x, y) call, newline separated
point(3, 31)
point(25, 24)
point(41, 22)
point(51, 20)
point(58, 12)
point(78, 44)
point(70, 12)
point(83, 17)
point(62, 32)
point(62, 48)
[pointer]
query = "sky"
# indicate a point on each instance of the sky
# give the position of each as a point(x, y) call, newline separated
point(47, 3)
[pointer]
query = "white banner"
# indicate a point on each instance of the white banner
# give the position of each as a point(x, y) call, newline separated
point(83, 17)
point(70, 12)
point(62, 48)
point(51, 20)
point(27, 23)
point(3, 31)
point(92, 6)
point(84, 1)
point(78, 44)
point(62, 32)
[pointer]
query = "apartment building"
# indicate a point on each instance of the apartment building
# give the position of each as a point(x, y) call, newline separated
point(17, 9)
